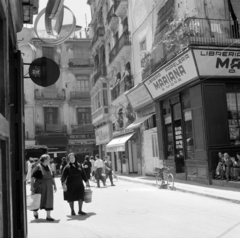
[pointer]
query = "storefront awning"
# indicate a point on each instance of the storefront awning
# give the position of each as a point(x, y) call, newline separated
point(118, 144)
point(139, 121)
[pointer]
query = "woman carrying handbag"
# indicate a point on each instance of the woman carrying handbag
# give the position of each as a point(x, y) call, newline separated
point(73, 176)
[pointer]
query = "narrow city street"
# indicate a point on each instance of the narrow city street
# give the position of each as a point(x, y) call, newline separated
point(139, 211)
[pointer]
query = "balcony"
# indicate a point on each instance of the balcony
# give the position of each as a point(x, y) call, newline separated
point(82, 128)
point(99, 114)
point(52, 94)
point(101, 72)
point(121, 48)
point(79, 95)
point(80, 63)
point(98, 36)
point(124, 85)
point(121, 7)
point(50, 128)
point(125, 25)
point(112, 18)
point(196, 32)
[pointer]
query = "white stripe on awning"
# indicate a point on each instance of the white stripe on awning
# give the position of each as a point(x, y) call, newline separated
point(139, 121)
point(118, 144)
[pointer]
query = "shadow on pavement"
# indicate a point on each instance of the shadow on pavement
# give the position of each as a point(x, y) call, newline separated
point(81, 218)
point(44, 221)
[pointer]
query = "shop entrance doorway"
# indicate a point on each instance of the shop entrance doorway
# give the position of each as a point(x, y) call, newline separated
point(178, 139)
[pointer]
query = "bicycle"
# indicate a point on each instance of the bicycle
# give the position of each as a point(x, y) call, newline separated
point(164, 178)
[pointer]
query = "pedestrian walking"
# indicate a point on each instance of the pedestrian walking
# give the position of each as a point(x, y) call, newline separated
point(99, 170)
point(29, 170)
point(87, 165)
point(73, 176)
point(63, 164)
point(92, 160)
point(108, 169)
point(43, 183)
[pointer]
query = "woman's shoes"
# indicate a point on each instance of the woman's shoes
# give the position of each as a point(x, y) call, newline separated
point(50, 219)
point(82, 213)
point(73, 213)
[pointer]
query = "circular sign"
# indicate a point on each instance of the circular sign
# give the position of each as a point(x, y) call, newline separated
point(44, 72)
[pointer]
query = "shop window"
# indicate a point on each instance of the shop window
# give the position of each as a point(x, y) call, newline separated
point(84, 116)
point(233, 105)
point(154, 145)
point(186, 100)
point(189, 135)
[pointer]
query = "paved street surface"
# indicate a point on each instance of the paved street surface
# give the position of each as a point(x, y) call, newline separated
point(133, 210)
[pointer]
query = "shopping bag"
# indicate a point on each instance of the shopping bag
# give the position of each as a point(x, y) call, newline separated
point(64, 186)
point(88, 195)
point(33, 201)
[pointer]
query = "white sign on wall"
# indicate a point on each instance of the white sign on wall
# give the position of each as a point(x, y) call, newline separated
point(172, 76)
point(218, 62)
point(103, 135)
point(139, 96)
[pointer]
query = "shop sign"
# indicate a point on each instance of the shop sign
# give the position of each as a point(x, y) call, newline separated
point(103, 135)
point(82, 136)
point(139, 96)
point(218, 62)
point(50, 105)
point(172, 76)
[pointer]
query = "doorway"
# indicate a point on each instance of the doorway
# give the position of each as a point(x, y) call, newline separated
point(178, 139)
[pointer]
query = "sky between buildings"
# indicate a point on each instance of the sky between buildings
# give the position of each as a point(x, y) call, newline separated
point(79, 8)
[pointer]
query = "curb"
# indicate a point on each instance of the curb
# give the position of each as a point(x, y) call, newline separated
point(184, 191)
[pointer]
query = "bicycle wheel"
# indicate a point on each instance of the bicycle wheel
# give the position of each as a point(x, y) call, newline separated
point(170, 181)
point(158, 180)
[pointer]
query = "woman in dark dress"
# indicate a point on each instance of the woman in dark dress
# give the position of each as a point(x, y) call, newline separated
point(43, 182)
point(87, 165)
point(73, 175)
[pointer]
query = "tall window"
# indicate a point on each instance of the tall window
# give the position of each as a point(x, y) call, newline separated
point(143, 45)
point(233, 105)
point(168, 129)
point(105, 95)
point(188, 125)
point(83, 83)
point(84, 116)
point(51, 115)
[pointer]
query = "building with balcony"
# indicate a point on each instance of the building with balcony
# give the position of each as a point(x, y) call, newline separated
point(59, 116)
point(187, 71)
point(111, 79)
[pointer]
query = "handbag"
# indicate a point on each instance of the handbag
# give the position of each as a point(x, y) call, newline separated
point(64, 186)
point(33, 201)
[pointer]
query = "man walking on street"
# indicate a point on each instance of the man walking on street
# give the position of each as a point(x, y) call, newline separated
point(99, 169)
point(108, 169)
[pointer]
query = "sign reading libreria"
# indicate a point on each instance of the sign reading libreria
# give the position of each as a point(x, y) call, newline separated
point(218, 62)
point(172, 76)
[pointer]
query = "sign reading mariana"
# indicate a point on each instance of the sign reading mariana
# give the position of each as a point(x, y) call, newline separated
point(172, 76)
point(218, 62)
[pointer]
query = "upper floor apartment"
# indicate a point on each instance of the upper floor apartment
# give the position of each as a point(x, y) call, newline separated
point(193, 23)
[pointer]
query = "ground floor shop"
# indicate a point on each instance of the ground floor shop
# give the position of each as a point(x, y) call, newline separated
point(197, 98)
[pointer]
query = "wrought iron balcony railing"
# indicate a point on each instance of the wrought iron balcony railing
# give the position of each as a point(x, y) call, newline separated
point(99, 33)
point(198, 32)
point(78, 63)
point(123, 41)
point(101, 71)
point(76, 95)
point(122, 86)
point(52, 94)
point(81, 128)
point(50, 128)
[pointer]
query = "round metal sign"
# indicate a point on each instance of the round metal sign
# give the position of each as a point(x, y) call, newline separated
point(44, 72)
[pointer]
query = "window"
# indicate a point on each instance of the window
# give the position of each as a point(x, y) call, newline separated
point(150, 123)
point(51, 115)
point(233, 105)
point(84, 116)
point(154, 145)
point(48, 52)
point(143, 45)
point(105, 97)
point(83, 83)
point(80, 53)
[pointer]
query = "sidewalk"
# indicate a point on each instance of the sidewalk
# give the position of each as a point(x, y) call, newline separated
point(222, 193)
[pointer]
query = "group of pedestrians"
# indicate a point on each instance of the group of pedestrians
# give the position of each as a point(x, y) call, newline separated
point(73, 177)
